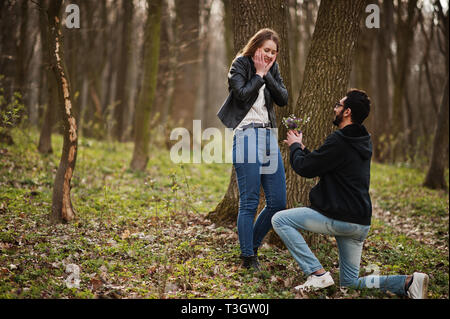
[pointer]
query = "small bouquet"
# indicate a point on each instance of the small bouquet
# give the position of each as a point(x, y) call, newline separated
point(293, 123)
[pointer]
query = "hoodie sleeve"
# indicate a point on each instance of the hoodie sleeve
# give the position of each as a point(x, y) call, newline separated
point(318, 162)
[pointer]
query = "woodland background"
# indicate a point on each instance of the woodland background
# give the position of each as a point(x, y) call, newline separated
point(107, 95)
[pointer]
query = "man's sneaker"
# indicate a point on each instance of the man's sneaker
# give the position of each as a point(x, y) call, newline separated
point(317, 282)
point(419, 286)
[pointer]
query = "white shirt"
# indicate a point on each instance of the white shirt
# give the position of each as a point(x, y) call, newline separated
point(258, 112)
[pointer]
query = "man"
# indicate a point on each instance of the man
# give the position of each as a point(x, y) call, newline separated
point(340, 203)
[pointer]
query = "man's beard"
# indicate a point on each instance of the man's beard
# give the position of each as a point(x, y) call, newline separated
point(338, 118)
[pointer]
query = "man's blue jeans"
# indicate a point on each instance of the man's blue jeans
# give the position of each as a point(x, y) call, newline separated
point(350, 239)
point(257, 161)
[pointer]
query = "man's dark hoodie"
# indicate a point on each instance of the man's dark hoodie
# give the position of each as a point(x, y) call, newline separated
point(343, 165)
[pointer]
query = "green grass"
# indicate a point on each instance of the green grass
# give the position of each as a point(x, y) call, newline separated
point(145, 235)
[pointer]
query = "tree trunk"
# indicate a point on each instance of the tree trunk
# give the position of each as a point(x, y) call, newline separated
point(326, 77)
point(62, 209)
point(45, 137)
point(22, 48)
point(147, 94)
point(404, 39)
point(121, 87)
point(187, 73)
point(381, 112)
point(435, 177)
point(229, 30)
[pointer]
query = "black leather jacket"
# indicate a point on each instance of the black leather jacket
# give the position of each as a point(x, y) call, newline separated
point(243, 87)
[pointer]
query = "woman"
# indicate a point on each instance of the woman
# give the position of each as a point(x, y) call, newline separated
point(255, 84)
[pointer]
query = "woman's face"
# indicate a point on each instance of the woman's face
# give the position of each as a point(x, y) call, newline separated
point(269, 50)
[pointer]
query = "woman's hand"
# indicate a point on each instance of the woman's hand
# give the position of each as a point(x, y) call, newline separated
point(260, 65)
point(269, 65)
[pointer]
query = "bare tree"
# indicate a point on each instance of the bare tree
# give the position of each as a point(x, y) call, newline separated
point(62, 209)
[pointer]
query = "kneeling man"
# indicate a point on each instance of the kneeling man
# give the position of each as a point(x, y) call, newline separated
point(340, 203)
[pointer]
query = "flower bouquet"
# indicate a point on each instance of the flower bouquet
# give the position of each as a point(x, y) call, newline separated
point(293, 123)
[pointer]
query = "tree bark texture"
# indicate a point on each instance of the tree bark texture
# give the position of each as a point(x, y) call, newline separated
point(62, 209)
point(148, 88)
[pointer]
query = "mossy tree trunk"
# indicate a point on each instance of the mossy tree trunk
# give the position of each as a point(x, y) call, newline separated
point(148, 88)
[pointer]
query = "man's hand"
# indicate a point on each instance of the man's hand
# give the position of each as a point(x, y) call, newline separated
point(294, 137)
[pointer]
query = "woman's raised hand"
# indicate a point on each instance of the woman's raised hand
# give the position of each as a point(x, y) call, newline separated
point(260, 65)
point(269, 65)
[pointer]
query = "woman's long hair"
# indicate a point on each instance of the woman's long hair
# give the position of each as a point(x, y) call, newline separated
point(257, 40)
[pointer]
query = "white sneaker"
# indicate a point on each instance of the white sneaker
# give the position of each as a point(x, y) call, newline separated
point(317, 282)
point(419, 286)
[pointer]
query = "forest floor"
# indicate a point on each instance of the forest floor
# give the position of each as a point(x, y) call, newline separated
point(146, 235)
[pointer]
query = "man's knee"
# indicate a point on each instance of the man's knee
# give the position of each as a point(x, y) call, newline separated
point(277, 220)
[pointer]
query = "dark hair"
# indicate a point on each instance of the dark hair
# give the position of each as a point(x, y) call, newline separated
point(359, 103)
point(258, 39)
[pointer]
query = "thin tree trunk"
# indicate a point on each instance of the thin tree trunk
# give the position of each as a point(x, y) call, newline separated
point(45, 137)
point(229, 30)
point(435, 177)
point(62, 209)
point(122, 78)
point(148, 89)
point(381, 112)
point(404, 39)
point(187, 72)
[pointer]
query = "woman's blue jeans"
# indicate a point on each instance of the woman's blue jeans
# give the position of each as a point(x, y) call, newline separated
point(257, 161)
point(350, 239)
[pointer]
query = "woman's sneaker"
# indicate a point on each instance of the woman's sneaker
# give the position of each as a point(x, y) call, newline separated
point(419, 286)
point(317, 282)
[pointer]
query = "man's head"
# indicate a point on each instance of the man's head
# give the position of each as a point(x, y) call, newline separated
point(352, 108)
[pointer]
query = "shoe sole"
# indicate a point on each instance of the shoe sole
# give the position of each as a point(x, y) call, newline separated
point(312, 288)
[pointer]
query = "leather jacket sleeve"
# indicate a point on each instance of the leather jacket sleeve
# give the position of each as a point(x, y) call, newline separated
point(242, 88)
point(274, 82)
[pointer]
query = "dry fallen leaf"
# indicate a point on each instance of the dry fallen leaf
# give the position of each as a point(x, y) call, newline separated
point(125, 234)
point(96, 283)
